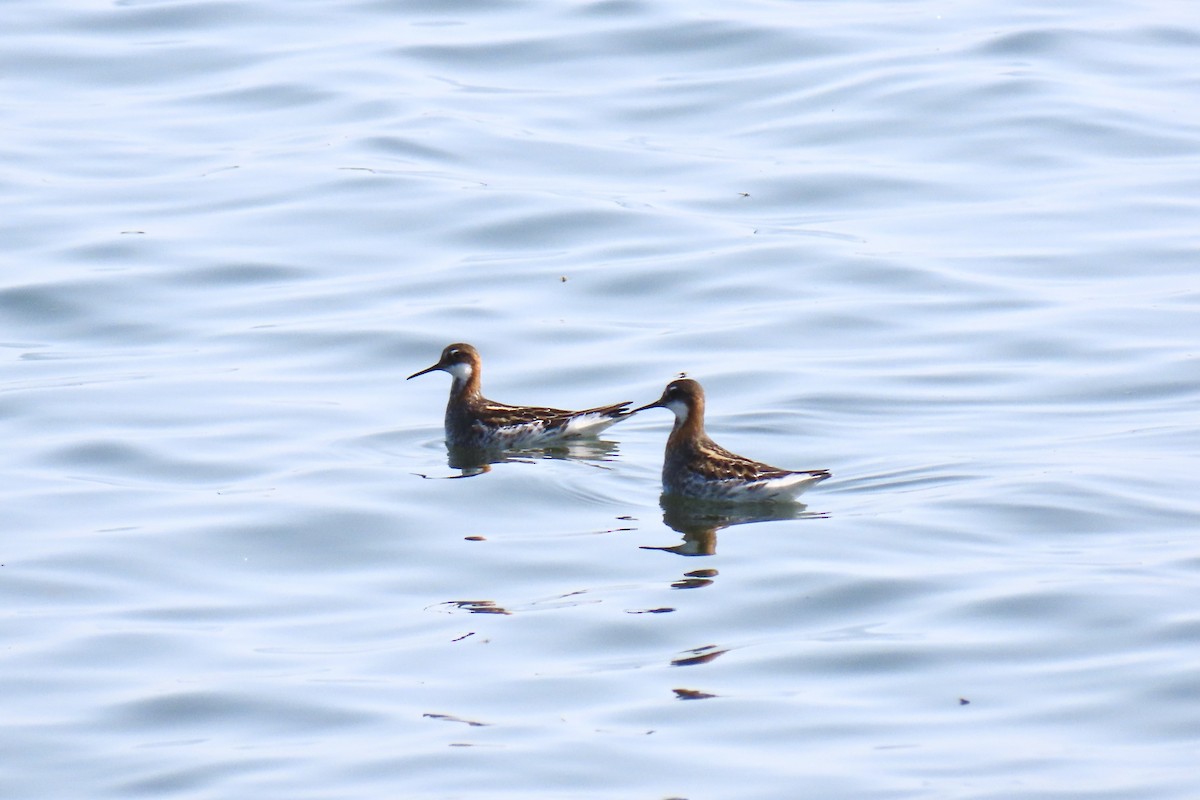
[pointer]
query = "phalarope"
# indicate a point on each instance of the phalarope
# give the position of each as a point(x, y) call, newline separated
point(696, 466)
point(473, 421)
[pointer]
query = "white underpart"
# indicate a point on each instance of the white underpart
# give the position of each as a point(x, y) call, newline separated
point(533, 434)
point(528, 435)
point(785, 486)
point(587, 424)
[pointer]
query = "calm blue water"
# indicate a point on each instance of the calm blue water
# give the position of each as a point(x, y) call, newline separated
point(947, 251)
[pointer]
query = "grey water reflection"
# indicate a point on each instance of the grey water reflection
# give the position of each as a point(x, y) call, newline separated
point(699, 521)
point(699, 655)
point(472, 461)
point(696, 579)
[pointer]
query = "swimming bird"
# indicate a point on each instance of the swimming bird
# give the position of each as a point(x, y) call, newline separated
point(696, 466)
point(473, 421)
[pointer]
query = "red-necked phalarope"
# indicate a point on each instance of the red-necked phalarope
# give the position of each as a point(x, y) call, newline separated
point(473, 421)
point(696, 466)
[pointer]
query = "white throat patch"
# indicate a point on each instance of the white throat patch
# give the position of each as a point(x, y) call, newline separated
point(679, 409)
point(461, 372)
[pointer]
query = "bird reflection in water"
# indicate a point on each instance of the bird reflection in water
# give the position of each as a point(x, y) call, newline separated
point(472, 461)
point(699, 520)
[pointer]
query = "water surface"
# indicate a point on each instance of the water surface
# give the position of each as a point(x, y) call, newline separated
point(947, 252)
